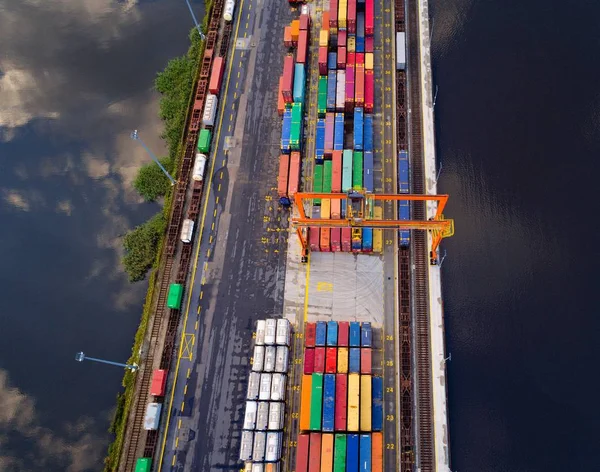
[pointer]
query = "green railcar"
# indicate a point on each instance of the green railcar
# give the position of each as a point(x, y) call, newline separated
point(322, 96)
point(143, 464)
point(204, 141)
point(175, 296)
point(318, 182)
point(357, 170)
point(327, 171)
point(316, 402)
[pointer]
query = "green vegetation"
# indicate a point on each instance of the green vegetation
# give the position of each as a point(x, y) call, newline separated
point(141, 247)
point(151, 182)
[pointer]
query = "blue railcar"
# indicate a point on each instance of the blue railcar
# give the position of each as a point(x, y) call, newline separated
point(403, 187)
point(377, 404)
point(328, 402)
point(332, 61)
point(286, 129)
point(367, 240)
point(321, 333)
point(354, 334)
point(299, 83)
point(368, 170)
point(338, 132)
point(352, 447)
point(332, 333)
point(368, 133)
point(320, 141)
point(366, 335)
point(364, 462)
point(358, 129)
point(354, 360)
point(331, 90)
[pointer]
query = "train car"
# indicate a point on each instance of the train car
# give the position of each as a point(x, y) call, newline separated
point(340, 95)
point(297, 127)
point(339, 453)
point(295, 173)
point(365, 452)
point(152, 416)
point(284, 172)
point(369, 17)
point(302, 453)
point(299, 84)
point(338, 140)
point(352, 447)
point(336, 172)
point(143, 464)
point(305, 395)
point(369, 91)
point(316, 402)
point(302, 47)
point(328, 402)
point(329, 132)
point(309, 360)
point(353, 402)
point(175, 296)
point(377, 408)
point(403, 187)
point(159, 382)
point(368, 133)
point(341, 402)
point(332, 333)
point(365, 403)
point(288, 78)
point(349, 103)
point(321, 333)
point(327, 175)
point(216, 75)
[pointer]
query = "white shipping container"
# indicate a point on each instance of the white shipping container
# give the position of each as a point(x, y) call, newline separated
point(273, 452)
point(278, 387)
point(210, 110)
point(260, 333)
point(246, 445)
point(152, 416)
point(258, 358)
point(262, 416)
point(400, 51)
point(250, 416)
point(199, 167)
point(187, 230)
point(265, 387)
point(283, 332)
point(253, 386)
point(275, 416)
point(270, 331)
point(281, 359)
point(270, 354)
point(248, 467)
point(260, 442)
point(228, 10)
point(340, 92)
point(258, 467)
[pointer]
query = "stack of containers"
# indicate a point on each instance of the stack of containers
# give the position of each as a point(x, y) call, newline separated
point(262, 435)
point(341, 410)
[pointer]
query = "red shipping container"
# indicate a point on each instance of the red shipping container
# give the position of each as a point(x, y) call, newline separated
point(310, 332)
point(331, 360)
point(282, 181)
point(294, 182)
point(325, 21)
point(349, 87)
point(341, 401)
point(314, 238)
point(369, 90)
point(304, 22)
point(341, 57)
point(351, 58)
point(365, 360)
point(159, 382)
point(336, 207)
point(288, 78)
point(302, 47)
point(351, 17)
point(309, 361)
point(333, 13)
point(336, 170)
point(280, 100)
point(369, 17)
point(323, 60)
point(319, 365)
point(302, 453)
point(342, 37)
point(360, 57)
point(359, 85)
point(343, 333)
point(216, 75)
point(325, 242)
point(329, 128)
point(369, 44)
point(287, 37)
point(346, 239)
point(314, 456)
point(336, 234)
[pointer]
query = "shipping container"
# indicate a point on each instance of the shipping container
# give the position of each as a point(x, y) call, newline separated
point(336, 172)
point(304, 22)
point(351, 16)
point(286, 128)
point(366, 335)
point(367, 240)
point(301, 55)
point(331, 360)
point(325, 23)
point(297, 125)
point(341, 402)
point(354, 360)
point(328, 402)
point(322, 97)
point(357, 170)
point(364, 462)
point(377, 410)
point(322, 60)
point(258, 358)
point(338, 141)
point(340, 95)
point(331, 89)
point(403, 187)
point(352, 453)
point(336, 236)
point(333, 14)
point(342, 40)
point(342, 11)
point(342, 57)
point(332, 333)
point(351, 43)
point(360, 31)
point(360, 58)
point(369, 17)
point(332, 61)
point(253, 386)
point(262, 416)
point(324, 40)
point(273, 449)
point(309, 360)
point(368, 61)
point(369, 40)
point(359, 85)
point(260, 444)
point(351, 61)
point(366, 361)
point(284, 170)
point(287, 37)
point(319, 364)
point(246, 445)
point(305, 394)
point(152, 416)
point(329, 132)
point(346, 239)
point(270, 331)
point(339, 453)
point(143, 464)
point(321, 333)
point(377, 452)
point(377, 233)
point(327, 453)
point(343, 333)
point(299, 86)
point(314, 456)
point(325, 243)
point(316, 402)
point(302, 453)
point(294, 180)
point(210, 110)
point(314, 237)
point(281, 359)
point(278, 387)
point(159, 382)
point(216, 75)
point(295, 30)
point(354, 334)
point(259, 339)
point(349, 103)
point(353, 401)
point(342, 360)
point(368, 171)
point(272, 467)
point(309, 334)
point(264, 392)
point(255, 467)
point(284, 332)
point(327, 172)
point(369, 91)
point(318, 182)
point(346, 170)
point(199, 167)
point(358, 129)
point(400, 51)
point(288, 78)
point(368, 133)
point(175, 296)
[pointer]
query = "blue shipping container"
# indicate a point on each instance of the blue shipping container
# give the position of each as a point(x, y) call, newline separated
point(368, 133)
point(364, 464)
point(368, 170)
point(321, 333)
point(354, 334)
point(358, 129)
point(299, 83)
point(377, 407)
point(332, 333)
point(352, 453)
point(286, 129)
point(328, 402)
point(360, 25)
point(367, 240)
point(403, 187)
point(354, 360)
point(320, 146)
point(360, 44)
point(338, 133)
point(331, 90)
point(332, 61)
point(366, 335)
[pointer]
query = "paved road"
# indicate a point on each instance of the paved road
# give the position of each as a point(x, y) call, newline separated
point(239, 269)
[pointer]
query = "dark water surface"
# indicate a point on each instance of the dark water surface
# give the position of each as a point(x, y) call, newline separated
point(75, 77)
point(518, 123)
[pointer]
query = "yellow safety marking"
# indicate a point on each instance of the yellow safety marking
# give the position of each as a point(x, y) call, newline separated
point(306, 289)
point(203, 280)
point(219, 188)
point(176, 442)
point(189, 372)
point(198, 310)
point(210, 238)
point(188, 345)
point(224, 161)
point(201, 295)
point(221, 175)
point(324, 287)
point(185, 389)
point(241, 61)
point(246, 27)
point(229, 128)
point(179, 424)
point(238, 76)
point(231, 117)
point(196, 325)
point(234, 95)
point(213, 225)
point(173, 461)
point(249, 6)
point(242, 53)
point(182, 406)
point(208, 253)
point(217, 200)
point(245, 34)
point(248, 17)
point(205, 265)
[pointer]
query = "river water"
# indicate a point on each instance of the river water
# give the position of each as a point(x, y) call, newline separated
point(518, 133)
point(76, 76)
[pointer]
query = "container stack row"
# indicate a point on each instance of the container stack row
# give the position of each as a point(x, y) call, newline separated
point(262, 435)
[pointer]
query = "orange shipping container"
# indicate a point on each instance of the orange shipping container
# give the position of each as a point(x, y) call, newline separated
point(282, 181)
point(295, 30)
point(305, 402)
point(326, 208)
point(359, 85)
point(294, 181)
point(280, 100)
point(325, 21)
point(325, 242)
point(369, 61)
point(327, 453)
point(377, 452)
point(335, 209)
point(287, 36)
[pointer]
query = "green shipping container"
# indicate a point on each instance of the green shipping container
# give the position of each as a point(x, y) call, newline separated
point(347, 170)
point(318, 182)
point(357, 170)
point(204, 141)
point(143, 464)
point(295, 133)
point(316, 402)
point(175, 296)
point(327, 169)
point(339, 453)
point(322, 96)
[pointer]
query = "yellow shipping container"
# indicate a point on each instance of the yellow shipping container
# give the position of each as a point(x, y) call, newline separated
point(323, 38)
point(295, 30)
point(326, 208)
point(342, 366)
point(369, 61)
point(327, 453)
point(365, 403)
point(351, 43)
point(378, 233)
point(305, 402)
point(342, 7)
point(353, 401)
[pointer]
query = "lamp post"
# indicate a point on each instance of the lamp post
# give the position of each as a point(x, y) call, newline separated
point(202, 37)
point(80, 357)
point(136, 137)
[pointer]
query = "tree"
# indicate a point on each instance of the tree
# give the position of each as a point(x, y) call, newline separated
point(141, 247)
point(151, 182)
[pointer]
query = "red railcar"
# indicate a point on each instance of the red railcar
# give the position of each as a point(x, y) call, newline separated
point(359, 85)
point(341, 57)
point(349, 87)
point(280, 100)
point(323, 60)
point(314, 456)
point(336, 172)
point(294, 179)
point(302, 47)
point(302, 453)
point(351, 18)
point(159, 383)
point(369, 17)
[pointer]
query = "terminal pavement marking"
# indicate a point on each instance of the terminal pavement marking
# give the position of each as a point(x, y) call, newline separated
point(306, 288)
point(212, 168)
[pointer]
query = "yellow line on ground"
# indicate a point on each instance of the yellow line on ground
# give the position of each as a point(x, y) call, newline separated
point(179, 424)
point(182, 406)
point(189, 372)
point(210, 238)
point(306, 289)
point(173, 461)
point(201, 295)
point(217, 200)
point(221, 175)
point(196, 326)
point(185, 389)
point(208, 253)
point(219, 188)
point(214, 214)
point(176, 442)
point(213, 225)
point(224, 160)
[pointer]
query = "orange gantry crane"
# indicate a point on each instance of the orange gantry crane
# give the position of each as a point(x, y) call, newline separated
point(359, 214)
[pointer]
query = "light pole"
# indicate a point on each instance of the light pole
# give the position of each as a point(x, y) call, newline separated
point(136, 137)
point(80, 357)
point(202, 37)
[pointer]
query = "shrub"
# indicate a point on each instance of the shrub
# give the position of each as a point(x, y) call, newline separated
point(141, 246)
point(151, 182)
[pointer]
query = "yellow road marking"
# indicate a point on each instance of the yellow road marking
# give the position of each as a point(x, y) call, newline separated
point(198, 310)
point(189, 373)
point(306, 289)
point(179, 424)
point(210, 238)
point(214, 214)
point(221, 175)
point(173, 461)
point(246, 27)
point(213, 225)
point(201, 295)
point(208, 253)
point(248, 16)
point(196, 326)
point(176, 442)
point(185, 389)
point(234, 95)
point(219, 188)
point(182, 406)
point(217, 200)
point(224, 161)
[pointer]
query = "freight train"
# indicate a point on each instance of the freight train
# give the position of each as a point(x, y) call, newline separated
point(403, 187)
